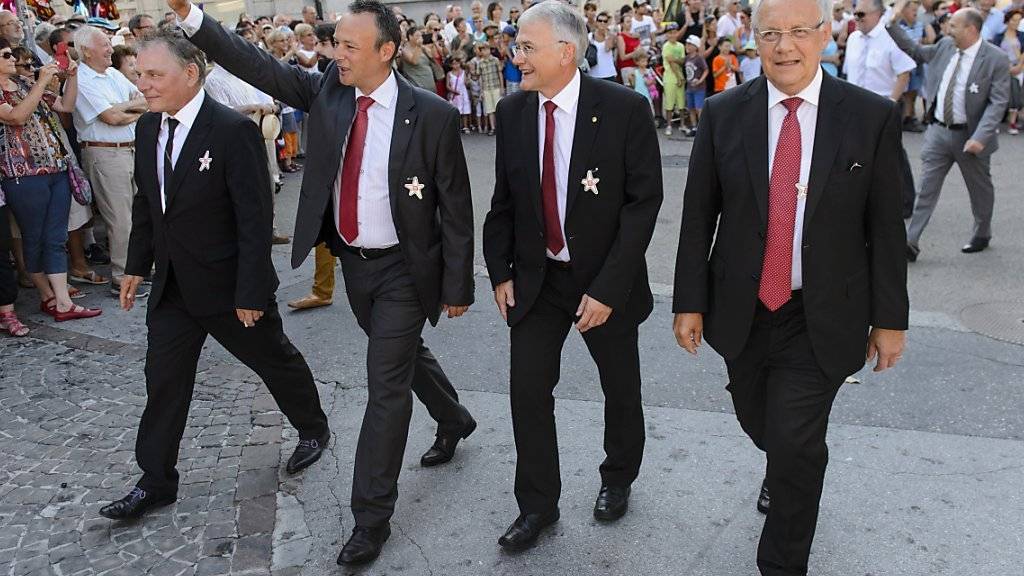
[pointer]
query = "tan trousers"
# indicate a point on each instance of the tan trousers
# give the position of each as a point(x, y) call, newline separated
point(323, 276)
point(111, 172)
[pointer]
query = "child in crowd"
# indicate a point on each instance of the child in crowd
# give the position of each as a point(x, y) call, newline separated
point(513, 76)
point(750, 67)
point(487, 72)
point(673, 54)
point(725, 66)
point(643, 80)
point(458, 93)
point(696, 81)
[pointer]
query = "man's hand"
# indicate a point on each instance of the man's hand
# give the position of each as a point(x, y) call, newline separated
point(689, 329)
point(248, 318)
point(888, 345)
point(974, 147)
point(454, 311)
point(129, 285)
point(180, 7)
point(504, 297)
point(592, 314)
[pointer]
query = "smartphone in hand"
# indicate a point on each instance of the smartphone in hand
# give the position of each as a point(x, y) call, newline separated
point(60, 55)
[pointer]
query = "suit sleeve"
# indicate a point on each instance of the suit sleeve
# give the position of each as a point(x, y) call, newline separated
point(286, 83)
point(455, 201)
point(998, 100)
point(702, 203)
point(499, 226)
point(887, 237)
point(248, 184)
point(639, 213)
point(921, 53)
point(140, 242)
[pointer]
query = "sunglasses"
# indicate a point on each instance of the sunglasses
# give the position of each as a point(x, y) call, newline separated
point(602, 20)
point(7, 55)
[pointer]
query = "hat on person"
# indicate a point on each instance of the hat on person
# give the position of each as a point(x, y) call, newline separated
point(102, 23)
point(671, 26)
point(270, 125)
point(489, 25)
point(510, 30)
point(750, 45)
point(694, 40)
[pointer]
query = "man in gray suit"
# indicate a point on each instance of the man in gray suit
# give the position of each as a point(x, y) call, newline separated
point(387, 188)
point(968, 87)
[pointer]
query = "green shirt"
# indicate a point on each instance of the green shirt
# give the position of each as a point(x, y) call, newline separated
point(675, 50)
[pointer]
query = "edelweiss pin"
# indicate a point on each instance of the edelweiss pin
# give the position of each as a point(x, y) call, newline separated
point(801, 191)
point(415, 188)
point(974, 88)
point(205, 161)
point(590, 183)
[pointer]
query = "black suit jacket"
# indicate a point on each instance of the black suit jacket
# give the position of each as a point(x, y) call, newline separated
point(607, 233)
point(854, 242)
point(217, 228)
point(435, 232)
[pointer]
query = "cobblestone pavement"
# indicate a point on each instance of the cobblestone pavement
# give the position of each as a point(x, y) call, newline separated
point(70, 406)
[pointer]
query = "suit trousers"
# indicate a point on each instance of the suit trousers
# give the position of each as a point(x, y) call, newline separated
point(384, 298)
point(537, 342)
point(175, 341)
point(111, 172)
point(943, 148)
point(783, 400)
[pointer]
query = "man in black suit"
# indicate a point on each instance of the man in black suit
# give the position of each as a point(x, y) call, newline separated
point(203, 215)
point(791, 256)
point(576, 197)
point(387, 188)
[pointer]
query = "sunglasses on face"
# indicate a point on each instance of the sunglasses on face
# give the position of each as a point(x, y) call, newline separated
point(602, 20)
point(7, 55)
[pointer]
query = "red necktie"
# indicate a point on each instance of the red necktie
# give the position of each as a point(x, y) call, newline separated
point(552, 226)
point(348, 211)
point(777, 269)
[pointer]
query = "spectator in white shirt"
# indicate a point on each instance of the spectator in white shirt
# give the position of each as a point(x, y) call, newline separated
point(729, 23)
point(41, 35)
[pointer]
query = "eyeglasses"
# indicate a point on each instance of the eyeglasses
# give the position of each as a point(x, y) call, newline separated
point(602, 20)
point(860, 14)
point(7, 55)
point(528, 50)
point(775, 36)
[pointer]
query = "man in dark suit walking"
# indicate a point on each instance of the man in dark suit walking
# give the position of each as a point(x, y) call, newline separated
point(791, 256)
point(203, 215)
point(576, 197)
point(387, 188)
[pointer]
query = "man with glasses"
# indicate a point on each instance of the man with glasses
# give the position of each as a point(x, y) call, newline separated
point(792, 265)
point(564, 243)
point(875, 63)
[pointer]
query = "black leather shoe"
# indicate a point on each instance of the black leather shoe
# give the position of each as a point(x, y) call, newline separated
point(912, 252)
point(612, 503)
point(764, 502)
point(135, 504)
point(364, 545)
point(307, 452)
point(523, 533)
point(444, 446)
point(975, 245)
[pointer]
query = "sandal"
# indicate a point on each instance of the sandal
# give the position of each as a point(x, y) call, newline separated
point(9, 322)
point(90, 277)
point(48, 306)
point(76, 312)
point(75, 293)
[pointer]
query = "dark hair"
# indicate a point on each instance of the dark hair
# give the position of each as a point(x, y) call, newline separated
point(120, 53)
point(429, 14)
point(589, 6)
point(626, 8)
point(184, 51)
point(5, 44)
point(411, 31)
point(457, 21)
point(1011, 13)
point(388, 29)
point(136, 22)
point(20, 53)
point(723, 40)
point(324, 32)
point(57, 36)
point(490, 9)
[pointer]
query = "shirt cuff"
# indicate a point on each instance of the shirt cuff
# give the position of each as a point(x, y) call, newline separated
point(191, 24)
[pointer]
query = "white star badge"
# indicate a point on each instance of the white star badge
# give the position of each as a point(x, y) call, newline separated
point(415, 188)
point(801, 191)
point(204, 162)
point(590, 183)
point(973, 88)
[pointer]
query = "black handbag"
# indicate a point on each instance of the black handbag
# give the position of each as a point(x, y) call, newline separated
point(591, 55)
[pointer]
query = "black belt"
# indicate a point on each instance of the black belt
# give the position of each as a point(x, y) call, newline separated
point(954, 127)
point(372, 253)
point(559, 264)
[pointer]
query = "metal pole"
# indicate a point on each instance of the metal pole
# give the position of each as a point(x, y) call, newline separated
point(27, 23)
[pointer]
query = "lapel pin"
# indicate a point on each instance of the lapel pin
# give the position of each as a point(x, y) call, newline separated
point(407, 121)
point(593, 119)
point(801, 191)
point(590, 183)
point(205, 161)
point(414, 187)
point(854, 166)
point(974, 88)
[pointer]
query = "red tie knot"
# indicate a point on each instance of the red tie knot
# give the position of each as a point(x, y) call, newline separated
point(550, 107)
point(792, 104)
point(364, 103)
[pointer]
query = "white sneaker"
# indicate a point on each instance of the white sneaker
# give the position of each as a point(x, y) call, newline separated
point(1013, 131)
point(668, 131)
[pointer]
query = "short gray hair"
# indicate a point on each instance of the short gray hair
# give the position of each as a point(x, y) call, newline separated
point(43, 31)
point(825, 6)
point(566, 22)
point(83, 38)
point(183, 51)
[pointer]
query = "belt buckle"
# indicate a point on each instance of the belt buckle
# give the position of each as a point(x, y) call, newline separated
point(362, 254)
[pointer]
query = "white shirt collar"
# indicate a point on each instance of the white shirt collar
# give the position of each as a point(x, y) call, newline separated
point(568, 98)
point(187, 115)
point(89, 71)
point(973, 50)
point(385, 94)
point(877, 31)
point(810, 94)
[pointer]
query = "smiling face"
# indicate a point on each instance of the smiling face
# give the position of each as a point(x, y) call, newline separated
point(546, 63)
point(359, 61)
point(164, 81)
point(791, 64)
point(97, 52)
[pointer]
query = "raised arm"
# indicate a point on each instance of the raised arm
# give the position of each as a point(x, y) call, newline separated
point(921, 53)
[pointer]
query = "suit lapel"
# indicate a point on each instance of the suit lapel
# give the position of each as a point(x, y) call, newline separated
point(531, 151)
point(975, 73)
point(755, 143)
point(583, 138)
point(831, 122)
point(401, 133)
point(190, 150)
point(343, 101)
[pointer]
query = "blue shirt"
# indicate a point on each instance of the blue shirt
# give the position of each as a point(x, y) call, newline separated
point(831, 50)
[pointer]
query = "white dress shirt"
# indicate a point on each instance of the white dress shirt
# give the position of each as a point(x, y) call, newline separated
point(186, 118)
point(97, 93)
point(873, 61)
point(807, 115)
point(376, 224)
point(960, 88)
point(565, 130)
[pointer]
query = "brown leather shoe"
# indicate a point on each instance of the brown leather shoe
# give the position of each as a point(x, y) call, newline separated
point(307, 302)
